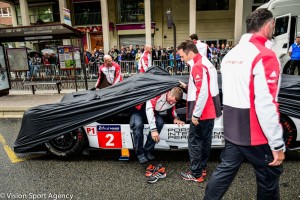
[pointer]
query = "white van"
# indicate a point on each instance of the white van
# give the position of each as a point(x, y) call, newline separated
point(287, 27)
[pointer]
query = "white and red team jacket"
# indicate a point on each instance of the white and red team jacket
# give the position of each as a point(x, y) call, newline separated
point(201, 86)
point(202, 47)
point(112, 74)
point(251, 79)
point(144, 62)
point(212, 79)
point(159, 104)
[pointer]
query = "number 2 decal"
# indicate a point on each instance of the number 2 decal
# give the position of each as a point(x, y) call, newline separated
point(110, 143)
point(110, 140)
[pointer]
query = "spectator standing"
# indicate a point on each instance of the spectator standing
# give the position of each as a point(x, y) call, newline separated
point(138, 56)
point(223, 51)
point(252, 129)
point(201, 109)
point(294, 53)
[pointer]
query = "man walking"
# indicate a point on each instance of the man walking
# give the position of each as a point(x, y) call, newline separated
point(201, 46)
point(252, 129)
point(109, 73)
point(201, 109)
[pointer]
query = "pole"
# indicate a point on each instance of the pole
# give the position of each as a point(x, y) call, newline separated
point(74, 64)
point(174, 50)
point(83, 64)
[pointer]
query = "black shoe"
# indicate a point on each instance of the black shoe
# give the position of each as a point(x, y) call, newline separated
point(150, 156)
point(143, 160)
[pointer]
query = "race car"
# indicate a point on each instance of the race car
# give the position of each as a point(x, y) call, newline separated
point(100, 119)
point(115, 133)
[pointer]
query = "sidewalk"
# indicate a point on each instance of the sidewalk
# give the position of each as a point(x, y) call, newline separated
point(18, 101)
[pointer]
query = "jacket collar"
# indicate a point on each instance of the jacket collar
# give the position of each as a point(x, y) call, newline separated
point(255, 38)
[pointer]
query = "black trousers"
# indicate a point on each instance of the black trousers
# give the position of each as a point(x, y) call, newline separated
point(267, 178)
point(199, 143)
point(294, 64)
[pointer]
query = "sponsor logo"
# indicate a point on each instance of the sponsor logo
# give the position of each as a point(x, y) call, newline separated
point(108, 128)
point(271, 81)
point(234, 62)
point(273, 74)
point(178, 133)
point(217, 135)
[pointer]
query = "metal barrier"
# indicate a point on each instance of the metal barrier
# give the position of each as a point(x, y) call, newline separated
point(128, 67)
point(169, 65)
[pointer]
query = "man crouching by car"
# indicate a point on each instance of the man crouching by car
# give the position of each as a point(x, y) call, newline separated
point(150, 111)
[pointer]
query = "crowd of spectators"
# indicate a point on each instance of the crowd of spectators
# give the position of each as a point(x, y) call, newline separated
point(163, 54)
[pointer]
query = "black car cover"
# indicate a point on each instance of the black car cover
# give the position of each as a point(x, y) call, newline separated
point(289, 96)
point(43, 123)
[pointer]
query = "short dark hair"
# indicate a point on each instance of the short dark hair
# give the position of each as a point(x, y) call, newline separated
point(194, 37)
point(188, 46)
point(257, 19)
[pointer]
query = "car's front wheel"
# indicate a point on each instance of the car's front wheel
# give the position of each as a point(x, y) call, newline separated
point(289, 131)
point(69, 144)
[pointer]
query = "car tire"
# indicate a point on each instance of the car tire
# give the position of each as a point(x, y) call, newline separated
point(289, 131)
point(68, 145)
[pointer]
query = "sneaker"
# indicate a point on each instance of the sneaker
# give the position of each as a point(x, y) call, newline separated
point(150, 170)
point(159, 173)
point(204, 172)
point(190, 177)
point(150, 156)
point(143, 160)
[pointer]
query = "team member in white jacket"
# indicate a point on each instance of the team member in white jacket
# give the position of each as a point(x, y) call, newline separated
point(150, 112)
point(252, 131)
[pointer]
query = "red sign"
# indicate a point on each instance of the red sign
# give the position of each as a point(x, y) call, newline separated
point(110, 140)
point(91, 29)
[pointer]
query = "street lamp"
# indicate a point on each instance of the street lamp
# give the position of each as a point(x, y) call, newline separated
point(170, 26)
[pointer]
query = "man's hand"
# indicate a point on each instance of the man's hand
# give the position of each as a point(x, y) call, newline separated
point(178, 122)
point(182, 84)
point(155, 136)
point(93, 88)
point(278, 158)
point(195, 121)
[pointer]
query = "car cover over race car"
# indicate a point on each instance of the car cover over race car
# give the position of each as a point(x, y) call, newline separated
point(289, 96)
point(42, 123)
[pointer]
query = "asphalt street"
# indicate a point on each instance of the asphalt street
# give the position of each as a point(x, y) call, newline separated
point(101, 175)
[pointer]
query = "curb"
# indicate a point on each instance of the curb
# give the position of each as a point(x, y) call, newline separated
point(12, 112)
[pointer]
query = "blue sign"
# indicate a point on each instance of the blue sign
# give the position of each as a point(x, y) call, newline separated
point(108, 128)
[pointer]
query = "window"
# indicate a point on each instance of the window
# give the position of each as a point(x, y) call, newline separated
point(87, 13)
point(131, 11)
point(281, 26)
point(5, 12)
point(257, 3)
point(260, 1)
point(212, 5)
point(44, 13)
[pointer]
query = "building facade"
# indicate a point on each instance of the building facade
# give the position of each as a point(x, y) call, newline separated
point(109, 23)
point(5, 15)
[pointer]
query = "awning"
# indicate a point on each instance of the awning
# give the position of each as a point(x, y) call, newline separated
point(38, 32)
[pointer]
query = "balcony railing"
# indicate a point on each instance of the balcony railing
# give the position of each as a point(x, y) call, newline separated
point(88, 18)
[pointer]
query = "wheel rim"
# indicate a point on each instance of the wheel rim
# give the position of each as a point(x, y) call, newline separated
point(64, 142)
